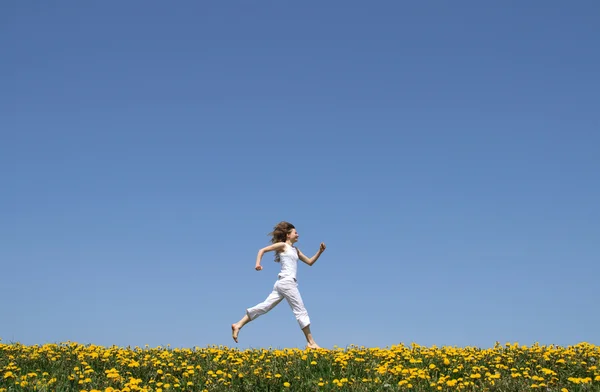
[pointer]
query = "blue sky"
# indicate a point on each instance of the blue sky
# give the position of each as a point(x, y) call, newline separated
point(447, 153)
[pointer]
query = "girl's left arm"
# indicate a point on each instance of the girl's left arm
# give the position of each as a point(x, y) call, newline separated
point(313, 259)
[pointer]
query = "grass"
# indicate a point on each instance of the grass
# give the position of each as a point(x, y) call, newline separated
point(75, 367)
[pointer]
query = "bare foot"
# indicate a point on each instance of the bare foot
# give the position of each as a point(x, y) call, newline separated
point(234, 332)
point(312, 345)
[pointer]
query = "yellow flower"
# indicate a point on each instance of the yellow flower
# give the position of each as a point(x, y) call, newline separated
point(286, 384)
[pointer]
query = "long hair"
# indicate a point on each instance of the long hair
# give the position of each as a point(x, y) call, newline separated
point(279, 234)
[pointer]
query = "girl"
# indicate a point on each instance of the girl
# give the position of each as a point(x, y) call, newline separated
point(284, 236)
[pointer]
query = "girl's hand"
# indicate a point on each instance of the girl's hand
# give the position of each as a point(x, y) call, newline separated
point(258, 267)
point(322, 248)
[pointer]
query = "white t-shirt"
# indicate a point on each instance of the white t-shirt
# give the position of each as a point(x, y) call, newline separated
point(289, 262)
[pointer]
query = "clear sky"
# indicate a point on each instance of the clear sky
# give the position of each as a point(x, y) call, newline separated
point(448, 154)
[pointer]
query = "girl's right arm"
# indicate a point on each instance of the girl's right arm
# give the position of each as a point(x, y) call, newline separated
point(276, 247)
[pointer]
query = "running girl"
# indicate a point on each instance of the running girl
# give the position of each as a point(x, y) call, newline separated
point(284, 236)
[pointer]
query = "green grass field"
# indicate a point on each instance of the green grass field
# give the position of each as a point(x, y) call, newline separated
point(510, 367)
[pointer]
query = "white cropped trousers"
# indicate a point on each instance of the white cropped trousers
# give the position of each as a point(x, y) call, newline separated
point(287, 288)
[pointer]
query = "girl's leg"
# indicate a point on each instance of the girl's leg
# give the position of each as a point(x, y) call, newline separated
point(309, 339)
point(251, 313)
point(235, 328)
point(292, 295)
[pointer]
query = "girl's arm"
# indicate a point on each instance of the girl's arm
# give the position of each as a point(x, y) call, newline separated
point(313, 259)
point(277, 247)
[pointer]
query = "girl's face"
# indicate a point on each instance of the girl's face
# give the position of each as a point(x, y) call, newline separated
point(293, 236)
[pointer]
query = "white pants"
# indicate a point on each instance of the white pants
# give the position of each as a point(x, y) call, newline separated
point(287, 288)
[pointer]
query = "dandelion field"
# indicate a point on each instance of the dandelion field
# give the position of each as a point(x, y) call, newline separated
point(510, 367)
